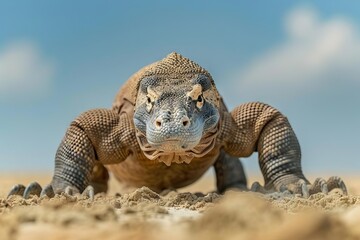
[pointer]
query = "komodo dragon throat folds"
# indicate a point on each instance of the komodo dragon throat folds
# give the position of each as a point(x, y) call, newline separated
point(167, 127)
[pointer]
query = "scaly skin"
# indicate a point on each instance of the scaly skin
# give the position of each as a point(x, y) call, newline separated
point(167, 127)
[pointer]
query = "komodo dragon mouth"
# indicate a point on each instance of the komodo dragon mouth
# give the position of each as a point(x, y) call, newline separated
point(205, 145)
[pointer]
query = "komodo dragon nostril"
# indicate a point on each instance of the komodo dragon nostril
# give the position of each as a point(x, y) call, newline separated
point(186, 122)
point(158, 123)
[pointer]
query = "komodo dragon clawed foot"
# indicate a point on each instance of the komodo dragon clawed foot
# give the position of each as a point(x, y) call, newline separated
point(303, 187)
point(167, 127)
point(67, 184)
point(34, 188)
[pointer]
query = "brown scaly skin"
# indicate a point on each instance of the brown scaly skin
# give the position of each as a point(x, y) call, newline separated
point(167, 127)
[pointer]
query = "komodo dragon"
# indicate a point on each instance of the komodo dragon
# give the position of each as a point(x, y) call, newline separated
point(167, 127)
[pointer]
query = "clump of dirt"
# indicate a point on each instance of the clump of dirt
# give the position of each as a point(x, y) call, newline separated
point(192, 201)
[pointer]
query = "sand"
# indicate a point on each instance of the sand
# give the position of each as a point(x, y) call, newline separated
point(195, 212)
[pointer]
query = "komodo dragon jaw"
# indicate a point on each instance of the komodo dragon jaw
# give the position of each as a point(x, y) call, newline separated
point(176, 115)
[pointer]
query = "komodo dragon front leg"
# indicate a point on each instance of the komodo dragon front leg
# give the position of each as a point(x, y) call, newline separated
point(95, 138)
point(229, 173)
point(257, 127)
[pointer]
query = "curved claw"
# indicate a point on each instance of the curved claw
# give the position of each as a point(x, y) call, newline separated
point(300, 187)
point(304, 189)
point(256, 187)
point(71, 191)
point(89, 192)
point(33, 188)
point(18, 189)
point(319, 185)
point(337, 182)
point(47, 191)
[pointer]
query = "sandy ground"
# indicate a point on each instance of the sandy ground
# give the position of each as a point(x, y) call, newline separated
point(194, 212)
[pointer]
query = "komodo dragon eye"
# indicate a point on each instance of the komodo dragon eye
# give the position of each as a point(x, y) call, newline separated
point(149, 104)
point(200, 101)
point(150, 99)
point(196, 95)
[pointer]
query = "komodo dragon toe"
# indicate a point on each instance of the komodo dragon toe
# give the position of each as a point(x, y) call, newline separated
point(167, 127)
point(303, 188)
point(35, 188)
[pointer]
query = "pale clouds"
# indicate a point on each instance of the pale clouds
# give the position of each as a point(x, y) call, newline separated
point(316, 52)
point(24, 71)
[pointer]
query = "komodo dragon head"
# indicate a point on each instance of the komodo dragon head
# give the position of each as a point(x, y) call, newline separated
point(176, 113)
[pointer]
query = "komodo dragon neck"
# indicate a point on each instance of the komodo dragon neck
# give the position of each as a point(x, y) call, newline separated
point(206, 144)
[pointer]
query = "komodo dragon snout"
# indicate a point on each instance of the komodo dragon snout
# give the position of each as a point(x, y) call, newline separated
point(173, 114)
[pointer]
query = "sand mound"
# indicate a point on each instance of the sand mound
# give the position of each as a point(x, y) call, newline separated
point(251, 216)
point(144, 214)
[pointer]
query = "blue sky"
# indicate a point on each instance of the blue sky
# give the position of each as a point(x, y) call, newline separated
point(60, 59)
